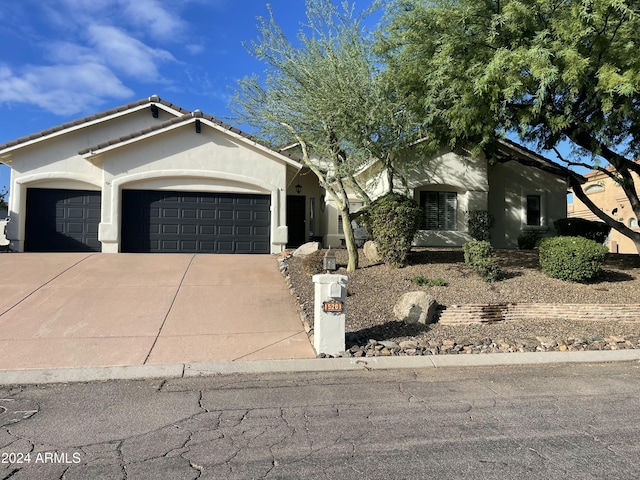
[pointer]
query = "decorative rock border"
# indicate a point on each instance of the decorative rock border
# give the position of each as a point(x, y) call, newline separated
point(408, 348)
point(504, 312)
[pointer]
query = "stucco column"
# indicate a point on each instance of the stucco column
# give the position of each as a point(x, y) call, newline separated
point(109, 228)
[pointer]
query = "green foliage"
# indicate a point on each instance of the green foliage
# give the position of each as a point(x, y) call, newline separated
point(580, 227)
point(430, 282)
point(574, 259)
point(392, 221)
point(479, 223)
point(527, 240)
point(480, 256)
point(313, 263)
point(552, 72)
point(323, 91)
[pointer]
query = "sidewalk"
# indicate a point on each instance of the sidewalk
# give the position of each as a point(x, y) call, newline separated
point(139, 372)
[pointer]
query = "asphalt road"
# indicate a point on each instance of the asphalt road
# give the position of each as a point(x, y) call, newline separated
point(578, 421)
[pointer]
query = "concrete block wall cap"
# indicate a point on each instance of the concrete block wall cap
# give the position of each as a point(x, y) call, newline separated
point(329, 278)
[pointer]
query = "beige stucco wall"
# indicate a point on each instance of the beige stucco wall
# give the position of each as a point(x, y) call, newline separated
point(610, 197)
point(510, 183)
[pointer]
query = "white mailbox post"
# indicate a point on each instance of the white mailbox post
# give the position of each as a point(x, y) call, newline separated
point(329, 311)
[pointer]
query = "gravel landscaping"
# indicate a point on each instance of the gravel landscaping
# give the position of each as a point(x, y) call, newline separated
point(372, 329)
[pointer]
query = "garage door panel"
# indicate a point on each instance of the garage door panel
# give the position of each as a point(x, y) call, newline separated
point(60, 220)
point(195, 222)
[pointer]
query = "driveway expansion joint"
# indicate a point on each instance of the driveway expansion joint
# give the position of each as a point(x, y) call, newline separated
point(173, 300)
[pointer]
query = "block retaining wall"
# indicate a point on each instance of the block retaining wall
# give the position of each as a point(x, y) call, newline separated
point(491, 313)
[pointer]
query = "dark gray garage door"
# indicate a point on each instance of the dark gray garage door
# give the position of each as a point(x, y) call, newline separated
point(62, 220)
point(190, 222)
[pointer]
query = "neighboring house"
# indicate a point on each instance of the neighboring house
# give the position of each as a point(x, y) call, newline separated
point(607, 195)
point(152, 177)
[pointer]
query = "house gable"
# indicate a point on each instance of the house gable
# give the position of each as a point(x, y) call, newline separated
point(154, 104)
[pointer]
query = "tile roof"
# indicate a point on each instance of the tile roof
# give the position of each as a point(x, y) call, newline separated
point(154, 99)
point(508, 150)
point(97, 116)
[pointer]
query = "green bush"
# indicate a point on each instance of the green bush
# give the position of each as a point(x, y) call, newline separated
point(481, 257)
point(313, 263)
point(430, 282)
point(575, 259)
point(479, 224)
point(392, 221)
point(527, 240)
point(579, 227)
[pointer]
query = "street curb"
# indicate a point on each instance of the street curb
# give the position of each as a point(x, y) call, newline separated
point(190, 370)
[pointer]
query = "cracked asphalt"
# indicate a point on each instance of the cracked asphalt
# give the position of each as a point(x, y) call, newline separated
point(552, 421)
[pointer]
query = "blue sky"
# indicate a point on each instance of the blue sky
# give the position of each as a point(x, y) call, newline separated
point(65, 59)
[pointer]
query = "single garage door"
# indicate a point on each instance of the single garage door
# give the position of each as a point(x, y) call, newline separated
point(195, 222)
point(62, 220)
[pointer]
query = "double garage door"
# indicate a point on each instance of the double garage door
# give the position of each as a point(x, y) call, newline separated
point(152, 221)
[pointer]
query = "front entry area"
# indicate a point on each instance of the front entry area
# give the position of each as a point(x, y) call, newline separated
point(156, 221)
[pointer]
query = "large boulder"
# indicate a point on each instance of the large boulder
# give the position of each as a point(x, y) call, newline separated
point(370, 251)
point(416, 307)
point(306, 249)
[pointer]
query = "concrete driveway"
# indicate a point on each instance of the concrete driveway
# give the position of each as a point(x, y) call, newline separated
point(84, 310)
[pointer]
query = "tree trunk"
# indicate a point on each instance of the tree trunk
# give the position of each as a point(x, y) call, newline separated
point(349, 240)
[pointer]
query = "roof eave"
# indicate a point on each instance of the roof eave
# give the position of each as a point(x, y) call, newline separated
point(527, 157)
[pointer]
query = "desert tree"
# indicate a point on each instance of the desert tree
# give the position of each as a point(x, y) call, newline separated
point(323, 92)
point(555, 72)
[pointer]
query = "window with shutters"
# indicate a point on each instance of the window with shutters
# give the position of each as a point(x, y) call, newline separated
point(440, 210)
point(353, 207)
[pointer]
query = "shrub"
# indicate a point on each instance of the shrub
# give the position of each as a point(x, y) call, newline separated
point(431, 282)
point(313, 263)
point(579, 227)
point(527, 240)
point(393, 220)
point(575, 259)
point(481, 257)
point(479, 223)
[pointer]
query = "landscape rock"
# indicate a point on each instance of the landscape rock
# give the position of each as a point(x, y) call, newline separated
point(306, 249)
point(408, 345)
point(416, 307)
point(370, 251)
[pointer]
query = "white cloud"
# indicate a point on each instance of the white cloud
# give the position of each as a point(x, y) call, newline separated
point(159, 22)
point(126, 53)
point(94, 50)
point(195, 49)
point(61, 89)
